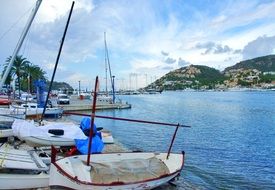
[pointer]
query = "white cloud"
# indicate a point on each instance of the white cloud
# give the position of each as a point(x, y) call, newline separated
point(261, 46)
point(182, 62)
point(51, 10)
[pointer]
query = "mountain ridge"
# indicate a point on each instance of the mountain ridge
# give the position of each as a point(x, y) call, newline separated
point(257, 72)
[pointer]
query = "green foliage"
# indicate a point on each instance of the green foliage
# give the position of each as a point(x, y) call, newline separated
point(244, 83)
point(264, 64)
point(25, 71)
point(60, 85)
point(267, 78)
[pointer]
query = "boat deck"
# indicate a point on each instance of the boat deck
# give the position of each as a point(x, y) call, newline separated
point(20, 159)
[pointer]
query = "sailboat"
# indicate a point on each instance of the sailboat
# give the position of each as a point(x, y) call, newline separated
point(21, 169)
point(132, 170)
point(105, 98)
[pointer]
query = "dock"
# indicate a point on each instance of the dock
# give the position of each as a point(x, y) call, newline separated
point(86, 105)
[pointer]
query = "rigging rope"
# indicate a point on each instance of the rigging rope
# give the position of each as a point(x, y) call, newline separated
point(13, 25)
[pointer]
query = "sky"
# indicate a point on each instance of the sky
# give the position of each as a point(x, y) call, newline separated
point(146, 38)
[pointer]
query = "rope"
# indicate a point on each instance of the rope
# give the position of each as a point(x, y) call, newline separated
point(13, 25)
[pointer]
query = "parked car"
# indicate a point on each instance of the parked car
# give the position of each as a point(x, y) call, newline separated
point(63, 99)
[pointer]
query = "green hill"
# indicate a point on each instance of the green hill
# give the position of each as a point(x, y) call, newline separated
point(193, 76)
point(257, 72)
point(60, 85)
point(263, 64)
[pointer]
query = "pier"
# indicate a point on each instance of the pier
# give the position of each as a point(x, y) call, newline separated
point(86, 105)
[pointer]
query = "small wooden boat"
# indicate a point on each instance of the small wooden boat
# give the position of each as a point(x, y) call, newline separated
point(21, 169)
point(116, 171)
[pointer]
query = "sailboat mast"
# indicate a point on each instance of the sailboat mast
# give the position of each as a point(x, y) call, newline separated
point(57, 60)
point(20, 42)
point(110, 71)
point(106, 69)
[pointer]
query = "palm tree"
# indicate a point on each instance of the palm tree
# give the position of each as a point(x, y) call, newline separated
point(18, 68)
point(32, 73)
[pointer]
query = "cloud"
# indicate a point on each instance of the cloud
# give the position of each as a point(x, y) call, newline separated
point(212, 47)
point(206, 45)
point(167, 68)
point(182, 62)
point(170, 60)
point(237, 51)
point(228, 59)
point(263, 45)
point(164, 53)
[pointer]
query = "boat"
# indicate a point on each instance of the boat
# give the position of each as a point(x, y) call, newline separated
point(115, 171)
point(46, 135)
point(37, 141)
point(131, 170)
point(22, 169)
point(32, 111)
point(5, 100)
point(5, 130)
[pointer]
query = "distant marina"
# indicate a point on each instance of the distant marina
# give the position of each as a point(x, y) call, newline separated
point(194, 127)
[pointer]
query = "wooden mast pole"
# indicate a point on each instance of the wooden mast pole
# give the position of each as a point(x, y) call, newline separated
point(92, 122)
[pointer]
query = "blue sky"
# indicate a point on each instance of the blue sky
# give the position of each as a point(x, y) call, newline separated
point(146, 38)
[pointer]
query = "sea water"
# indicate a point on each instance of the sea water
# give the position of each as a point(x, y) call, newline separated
point(231, 142)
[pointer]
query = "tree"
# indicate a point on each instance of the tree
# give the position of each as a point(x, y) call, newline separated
point(18, 68)
point(25, 71)
point(32, 73)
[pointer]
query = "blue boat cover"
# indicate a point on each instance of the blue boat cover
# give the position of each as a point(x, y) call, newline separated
point(82, 145)
point(97, 143)
point(85, 124)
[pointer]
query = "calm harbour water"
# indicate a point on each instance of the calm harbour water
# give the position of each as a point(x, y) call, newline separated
point(231, 144)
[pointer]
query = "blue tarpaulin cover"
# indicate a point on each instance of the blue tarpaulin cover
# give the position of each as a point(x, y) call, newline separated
point(85, 124)
point(97, 143)
point(82, 145)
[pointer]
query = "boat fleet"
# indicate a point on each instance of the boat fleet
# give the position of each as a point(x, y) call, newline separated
point(36, 153)
point(54, 153)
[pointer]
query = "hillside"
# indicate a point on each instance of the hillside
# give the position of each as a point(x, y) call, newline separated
point(263, 64)
point(257, 73)
point(193, 76)
point(60, 86)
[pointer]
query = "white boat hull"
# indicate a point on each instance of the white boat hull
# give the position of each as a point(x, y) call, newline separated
point(48, 141)
point(60, 141)
point(63, 175)
point(23, 181)
point(6, 133)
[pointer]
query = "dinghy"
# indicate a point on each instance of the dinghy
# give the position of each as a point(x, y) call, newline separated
point(116, 171)
point(21, 169)
point(36, 136)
